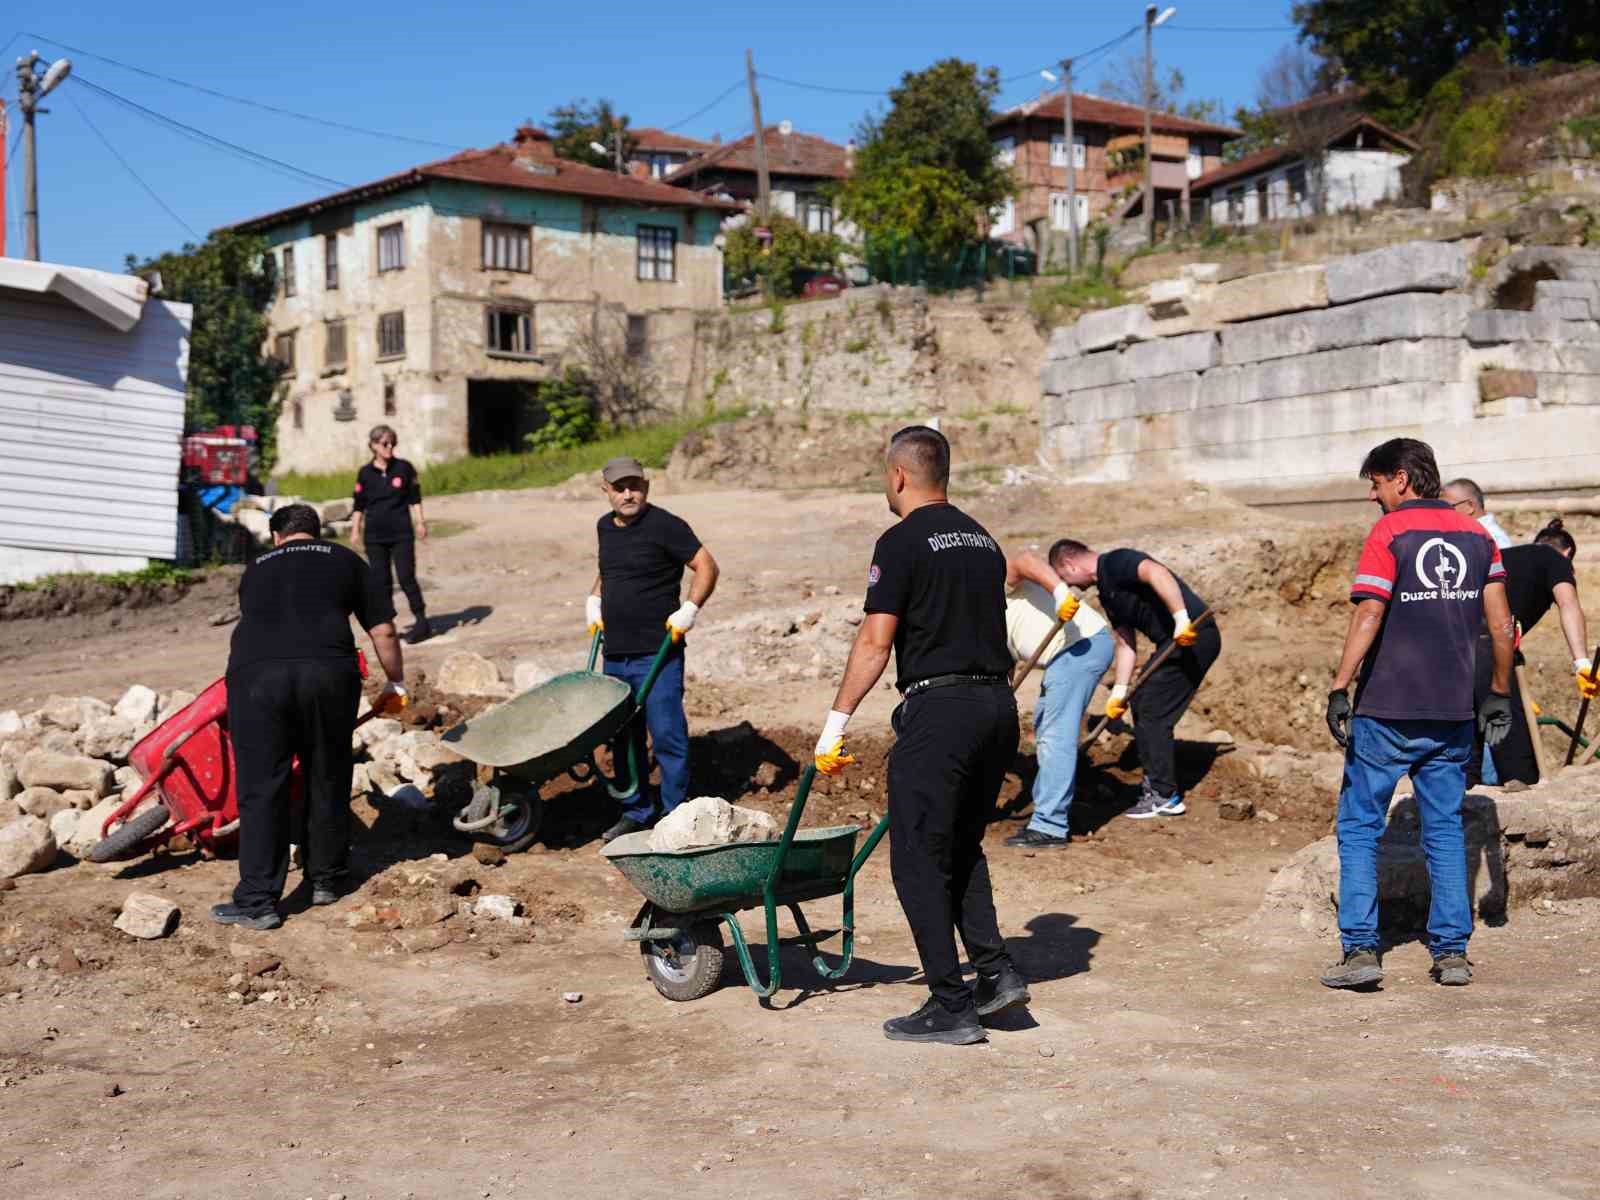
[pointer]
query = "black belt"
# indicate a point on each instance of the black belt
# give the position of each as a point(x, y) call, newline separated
point(940, 681)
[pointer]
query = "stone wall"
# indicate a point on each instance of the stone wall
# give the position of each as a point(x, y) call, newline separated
point(1277, 384)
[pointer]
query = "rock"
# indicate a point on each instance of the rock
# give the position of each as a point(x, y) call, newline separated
point(86, 833)
point(572, 997)
point(46, 768)
point(139, 705)
point(335, 510)
point(428, 753)
point(501, 908)
point(379, 729)
point(1269, 294)
point(420, 941)
point(360, 781)
point(528, 674)
point(26, 845)
point(467, 674)
point(42, 802)
point(63, 825)
point(173, 703)
point(146, 916)
point(1236, 810)
point(109, 737)
point(226, 616)
point(10, 723)
point(1498, 385)
point(126, 779)
point(766, 775)
point(69, 712)
point(10, 785)
point(711, 821)
point(488, 854)
point(1047, 1051)
point(1409, 267)
point(1113, 327)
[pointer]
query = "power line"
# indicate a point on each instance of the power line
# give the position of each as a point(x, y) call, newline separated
point(128, 167)
point(700, 112)
point(264, 160)
point(820, 87)
point(272, 108)
point(1235, 28)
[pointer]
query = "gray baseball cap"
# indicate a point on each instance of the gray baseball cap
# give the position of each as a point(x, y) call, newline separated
point(622, 468)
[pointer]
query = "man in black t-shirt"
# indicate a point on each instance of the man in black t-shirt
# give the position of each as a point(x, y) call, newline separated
point(293, 689)
point(936, 597)
point(643, 551)
point(1537, 575)
point(1139, 595)
point(387, 523)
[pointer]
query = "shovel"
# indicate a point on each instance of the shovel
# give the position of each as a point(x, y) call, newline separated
point(1583, 712)
point(1156, 659)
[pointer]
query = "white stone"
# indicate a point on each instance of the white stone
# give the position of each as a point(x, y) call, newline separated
point(1495, 325)
point(1113, 327)
point(335, 510)
point(86, 833)
point(26, 845)
point(1063, 342)
point(1170, 356)
point(10, 723)
point(1202, 272)
point(1409, 267)
point(46, 768)
point(360, 782)
point(69, 712)
point(528, 674)
point(256, 523)
point(1384, 319)
point(379, 729)
point(1269, 293)
point(64, 825)
point(146, 916)
point(172, 703)
point(110, 737)
point(10, 785)
point(41, 802)
point(711, 821)
point(501, 908)
point(428, 753)
point(138, 705)
point(1102, 369)
point(464, 673)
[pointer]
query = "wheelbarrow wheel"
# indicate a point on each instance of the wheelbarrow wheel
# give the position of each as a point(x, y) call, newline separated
point(521, 820)
point(688, 966)
point(131, 834)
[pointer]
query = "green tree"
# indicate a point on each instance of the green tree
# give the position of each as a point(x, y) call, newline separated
point(926, 169)
point(574, 125)
point(230, 281)
point(781, 261)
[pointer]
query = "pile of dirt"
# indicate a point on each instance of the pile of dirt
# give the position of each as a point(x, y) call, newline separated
point(90, 595)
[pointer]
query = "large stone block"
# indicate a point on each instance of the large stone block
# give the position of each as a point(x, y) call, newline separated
point(1384, 319)
point(26, 845)
point(1169, 393)
point(1063, 343)
point(1266, 295)
point(41, 802)
point(1492, 326)
point(1498, 385)
point(1567, 389)
point(1100, 404)
point(1087, 371)
point(1170, 356)
point(46, 768)
point(138, 705)
point(1428, 360)
point(1411, 267)
point(1111, 327)
point(711, 821)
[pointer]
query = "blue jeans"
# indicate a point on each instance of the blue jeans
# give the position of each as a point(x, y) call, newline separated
point(1057, 721)
point(1434, 754)
point(669, 734)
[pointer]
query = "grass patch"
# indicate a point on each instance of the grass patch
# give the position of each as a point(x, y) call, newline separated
point(856, 345)
point(154, 575)
point(1058, 303)
point(650, 444)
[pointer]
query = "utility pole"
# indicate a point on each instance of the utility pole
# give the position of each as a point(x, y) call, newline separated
point(616, 142)
point(1072, 170)
point(763, 180)
point(1151, 20)
point(4, 134)
point(31, 88)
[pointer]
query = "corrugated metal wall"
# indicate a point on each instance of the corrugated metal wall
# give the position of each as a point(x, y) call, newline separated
point(91, 422)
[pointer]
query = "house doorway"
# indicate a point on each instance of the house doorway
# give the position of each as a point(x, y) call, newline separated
point(500, 415)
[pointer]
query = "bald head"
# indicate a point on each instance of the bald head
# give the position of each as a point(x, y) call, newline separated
point(923, 454)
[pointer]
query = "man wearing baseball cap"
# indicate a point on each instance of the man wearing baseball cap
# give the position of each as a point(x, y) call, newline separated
point(643, 551)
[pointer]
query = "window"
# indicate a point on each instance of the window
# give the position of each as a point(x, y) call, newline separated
point(288, 270)
point(334, 354)
point(283, 351)
point(638, 336)
point(391, 248)
point(1058, 210)
point(389, 405)
point(1297, 184)
point(298, 409)
point(1005, 150)
point(510, 332)
point(1058, 150)
point(507, 247)
point(1263, 199)
point(1236, 204)
point(1194, 161)
point(816, 214)
point(330, 262)
point(661, 164)
point(657, 247)
point(392, 335)
point(1003, 219)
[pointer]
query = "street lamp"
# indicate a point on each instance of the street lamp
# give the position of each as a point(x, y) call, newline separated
point(1072, 164)
point(32, 88)
point(616, 140)
point(1151, 20)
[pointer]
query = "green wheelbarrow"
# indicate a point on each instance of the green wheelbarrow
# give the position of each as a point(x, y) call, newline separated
point(690, 894)
point(547, 731)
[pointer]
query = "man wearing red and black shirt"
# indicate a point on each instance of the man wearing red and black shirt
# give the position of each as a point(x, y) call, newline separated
point(1427, 581)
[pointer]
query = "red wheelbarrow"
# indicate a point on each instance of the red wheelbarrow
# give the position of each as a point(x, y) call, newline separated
point(189, 759)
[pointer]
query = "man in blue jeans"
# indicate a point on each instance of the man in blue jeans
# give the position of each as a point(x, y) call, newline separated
point(1077, 655)
point(1428, 579)
point(643, 551)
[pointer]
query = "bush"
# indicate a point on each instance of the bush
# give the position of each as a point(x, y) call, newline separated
point(781, 262)
point(1058, 303)
point(569, 407)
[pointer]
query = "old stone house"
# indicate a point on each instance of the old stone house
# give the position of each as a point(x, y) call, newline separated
point(802, 167)
point(437, 299)
point(1106, 158)
point(658, 153)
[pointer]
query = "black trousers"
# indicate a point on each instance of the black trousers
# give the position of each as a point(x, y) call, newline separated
point(1513, 757)
point(953, 749)
point(404, 557)
point(279, 711)
point(1162, 700)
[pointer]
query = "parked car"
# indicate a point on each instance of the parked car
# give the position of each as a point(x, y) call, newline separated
point(823, 283)
point(1008, 258)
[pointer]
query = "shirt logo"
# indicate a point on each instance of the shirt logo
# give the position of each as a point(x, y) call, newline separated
point(1441, 568)
point(358, 485)
point(395, 482)
point(873, 574)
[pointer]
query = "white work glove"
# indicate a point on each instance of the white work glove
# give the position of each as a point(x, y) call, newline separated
point(1117, 706)
point(591, 614)
point(1182, 631)
point(393, 698)
point(829, 754)
point(682, 621)
point(1066, 603)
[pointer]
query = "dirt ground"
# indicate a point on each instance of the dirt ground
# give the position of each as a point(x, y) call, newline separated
point(396, 1046)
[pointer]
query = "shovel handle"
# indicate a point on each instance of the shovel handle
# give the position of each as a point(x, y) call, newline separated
point(1583, 710)
point(1039, 653)
point(1156, 659)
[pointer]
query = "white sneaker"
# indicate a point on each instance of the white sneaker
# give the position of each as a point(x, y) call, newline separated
point(1172, 807)
point(1148, 806)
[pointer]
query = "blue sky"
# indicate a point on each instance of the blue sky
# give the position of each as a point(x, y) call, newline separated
point(466, 73)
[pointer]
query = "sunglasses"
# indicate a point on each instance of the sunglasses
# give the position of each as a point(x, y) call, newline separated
point(390, 445)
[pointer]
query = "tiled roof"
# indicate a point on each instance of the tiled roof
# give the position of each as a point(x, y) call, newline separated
point(659, 139)
point(527, 164)
point(791, 153)
point(1272, 155)
point(1095, 110)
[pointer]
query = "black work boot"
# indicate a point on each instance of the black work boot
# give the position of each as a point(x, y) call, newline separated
point(420, 632)
point(1452, 970)
point(1037, 839)
point(1358, 968)
point(250, 918)
point(996, 993)
point(622, 828)
point(933, 1022)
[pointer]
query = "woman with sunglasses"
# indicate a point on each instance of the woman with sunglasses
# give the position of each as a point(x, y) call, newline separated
point(387, 523)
